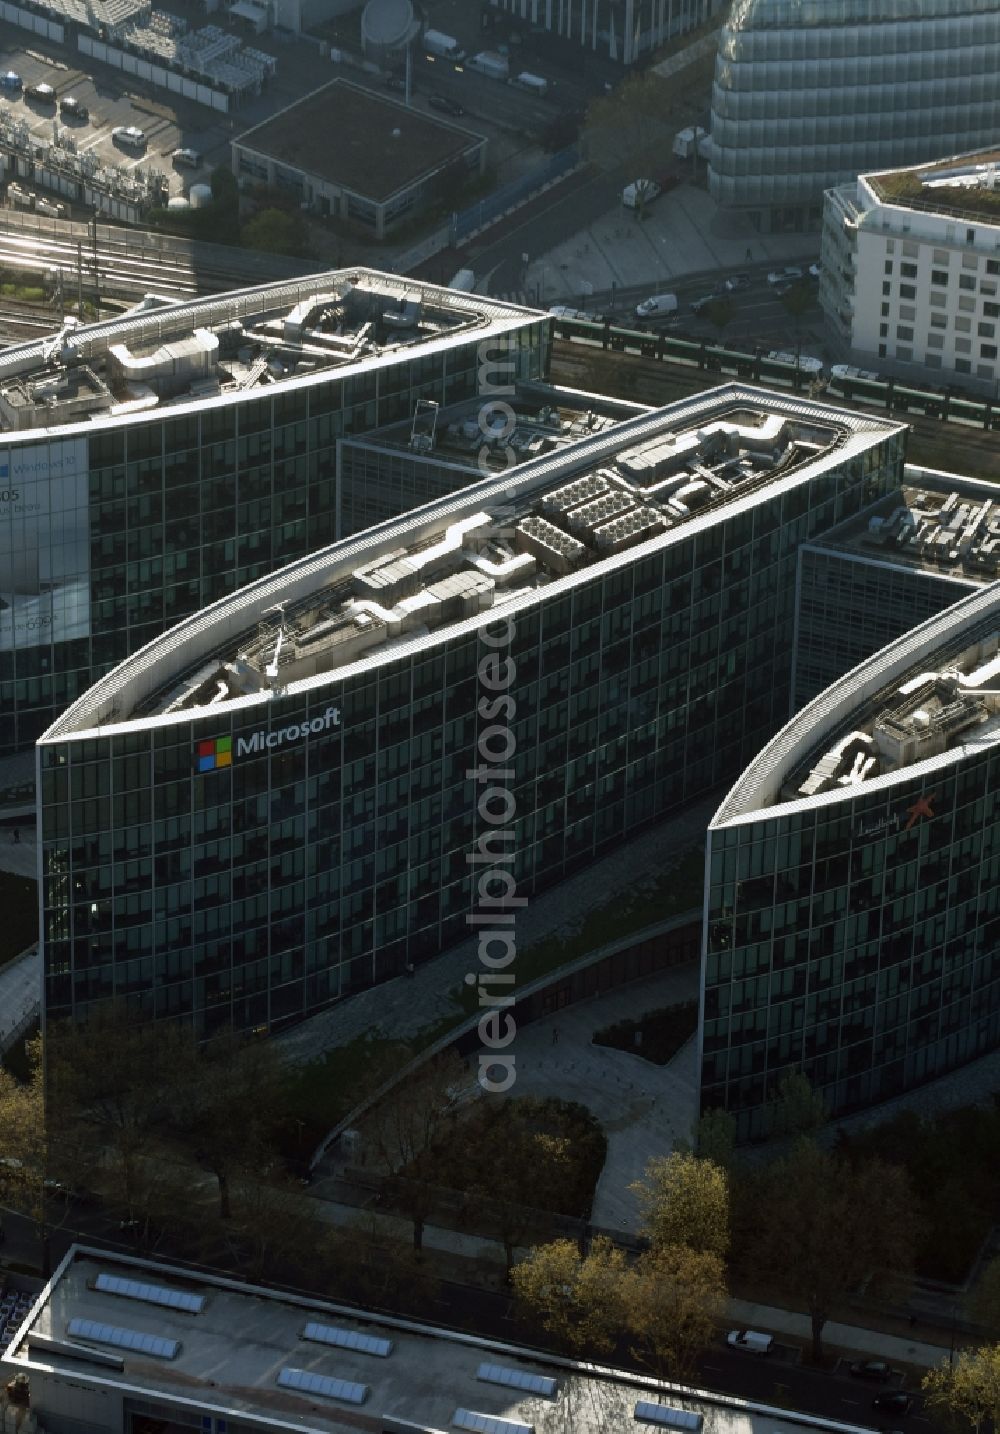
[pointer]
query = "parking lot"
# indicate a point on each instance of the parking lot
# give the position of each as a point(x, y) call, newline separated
point(109, 107)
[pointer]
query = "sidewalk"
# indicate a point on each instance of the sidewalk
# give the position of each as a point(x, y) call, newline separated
point(853, 1339)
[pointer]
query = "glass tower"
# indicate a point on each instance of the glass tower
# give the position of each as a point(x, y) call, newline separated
point(809, 95)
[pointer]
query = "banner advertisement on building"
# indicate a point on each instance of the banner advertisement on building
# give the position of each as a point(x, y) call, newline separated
point(44, 544)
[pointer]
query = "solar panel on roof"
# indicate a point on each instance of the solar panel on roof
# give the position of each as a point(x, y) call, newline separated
point(124, 1338)
point(150, 1294)
point(306, 1382)
point(517, 1379)
point(669, 1418)
point(348, 1339)
point(488, 1423)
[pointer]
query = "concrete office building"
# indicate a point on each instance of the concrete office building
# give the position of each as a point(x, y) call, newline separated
point(873, 578)
point(808, 95)
point(356, 155)
point(152, 463)
point(278, 802)
point(911, 269)
point(852, 927)
point(130, 1346)
point(618, 31)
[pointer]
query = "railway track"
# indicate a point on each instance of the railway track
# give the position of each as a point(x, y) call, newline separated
point(933, 443)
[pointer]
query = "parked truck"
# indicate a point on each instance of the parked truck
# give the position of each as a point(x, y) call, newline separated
point(489, 63)
point(436, 42)
point(684, 143)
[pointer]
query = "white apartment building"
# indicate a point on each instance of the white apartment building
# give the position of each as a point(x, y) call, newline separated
point(911, 269)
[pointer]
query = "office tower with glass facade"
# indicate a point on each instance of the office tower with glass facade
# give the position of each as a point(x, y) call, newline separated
point(324, 777)
point(151, 463)
point(873, 578)
point(852, 925)
point(810, 95)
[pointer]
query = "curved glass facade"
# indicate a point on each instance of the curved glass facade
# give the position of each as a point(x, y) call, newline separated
point(808, 96)
point(855, 936)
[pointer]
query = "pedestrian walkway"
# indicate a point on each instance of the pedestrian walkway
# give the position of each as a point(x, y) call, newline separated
point(643, 1107)
point(683, 232)
point(20, 993)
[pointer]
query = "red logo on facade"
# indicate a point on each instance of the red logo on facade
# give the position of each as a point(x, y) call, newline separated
point(921, 808)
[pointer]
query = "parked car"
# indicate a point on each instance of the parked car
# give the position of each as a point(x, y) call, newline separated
point(186, 158)
point(788, 275)
point(895, 1403)
point(736, 282)
point(42, 94)
point(751, 1341)
point(876, 1369)
point(10, 80)
point(128, 135)
point(72, 108)
point(445, 104)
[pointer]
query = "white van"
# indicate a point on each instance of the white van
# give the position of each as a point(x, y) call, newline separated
point(846, 370)
point(750, 1340)
point(657, 306)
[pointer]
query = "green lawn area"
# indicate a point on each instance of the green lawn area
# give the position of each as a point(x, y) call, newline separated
point(660, 1033)
point(19, 903)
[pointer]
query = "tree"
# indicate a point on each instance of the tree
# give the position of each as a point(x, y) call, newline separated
point(715, 1137)
point(274, 231)
point(404, 1128)
point(984, 1306)
point(575, 1298)
point(685, 1201)
point(672, 1298)
point(630, 129)
point(798, 300)
point(720, 313)
point(225, 1104)
point(820, 1228)
point(969, 1389)
point(797, 1109)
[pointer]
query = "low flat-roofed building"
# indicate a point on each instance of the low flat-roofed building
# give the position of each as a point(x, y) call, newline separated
point(128, 1346)
point(347, 152)
point(295, 768)
point(852, 919)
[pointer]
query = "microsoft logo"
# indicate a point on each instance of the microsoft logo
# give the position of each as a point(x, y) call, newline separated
point(214, 753)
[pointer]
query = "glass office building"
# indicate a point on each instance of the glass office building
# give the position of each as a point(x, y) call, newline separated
point(873, 578)
point(852, 925)
point(811, 95)
point(281, 801)
point(153, 463)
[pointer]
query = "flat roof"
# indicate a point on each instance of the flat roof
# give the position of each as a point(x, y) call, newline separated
point(914, 708)
point(496, 547)
point(347, 136)
point(965, 185)
point(232, 347)
point(936, 524)
point(229, 1350)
